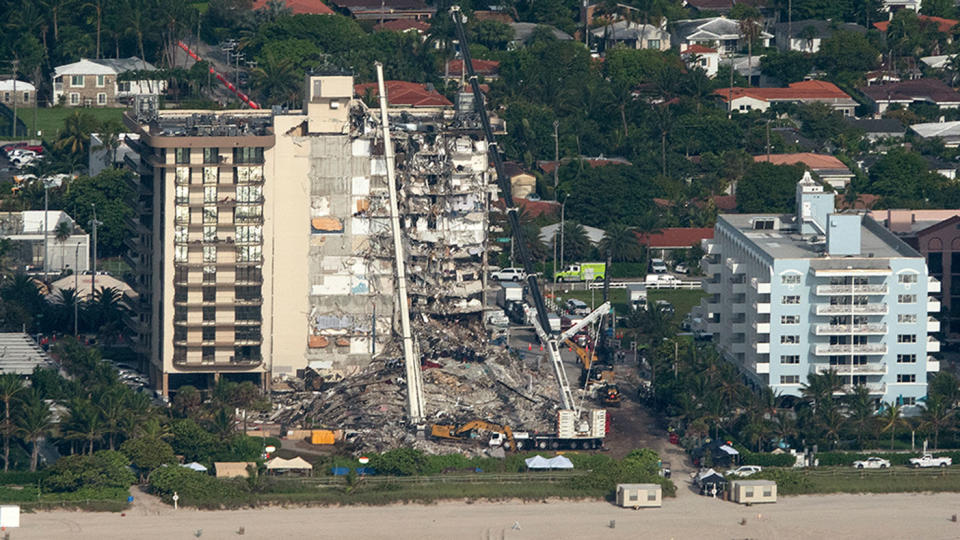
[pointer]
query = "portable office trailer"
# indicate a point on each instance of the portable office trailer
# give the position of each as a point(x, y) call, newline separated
point(753, 491)
point(639, 495)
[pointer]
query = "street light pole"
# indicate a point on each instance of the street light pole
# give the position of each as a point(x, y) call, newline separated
point(93, 275)
point(556, 159)
point(563, 207)
point(76, 287)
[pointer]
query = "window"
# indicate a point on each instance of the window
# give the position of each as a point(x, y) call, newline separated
point(908, 401)
point(789, 379)
point(182, 215)
point(123, 86)
point(211, 155)
point(634, 496)
point(247, 293)
point(180, 253)
point(790, 359)
point(748, 493)
point(906, 299)
point(249, 234)
point(209, 294)
point(768, 492)
point(907, 278)
point(183, 156)
point(790, 300)
point(906, 359)
point(248, 155)
point(101, 81)
point(26, 96)
point(6, 97)
point(209, 313)
point(906, 378)
point(249, 253)
point(209, 333)
point(182, 195)
point(210, 254)
point(101, 99)
point(246, 313)
point(790, 279)
point(789, 340)
point(651, 496)
point(76, 81)
point(209, 214)
point(906, 338)
point(247, 333)
point(249, 194)
point(74, 98)
point(208, 354)
point(179, 313)
point(209, 233)
point(210, 194)
point(653, 44)
point(907, 318)
point(789, 319)
point(210, 175)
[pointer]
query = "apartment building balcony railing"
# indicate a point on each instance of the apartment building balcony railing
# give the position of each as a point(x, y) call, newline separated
point(873, 388)
point(933, 285)
point(828, 290)
point(933, 305)
point(867, 348)
point(762, 368)
point(851, 309)
point(933, 345)
point(933, 325)
point(761, 348)
point(761, 327)
point(875, 368)
point(759, 286)
point(735, 266)
point(933, 365)
point(761, 307)
point(878, 329)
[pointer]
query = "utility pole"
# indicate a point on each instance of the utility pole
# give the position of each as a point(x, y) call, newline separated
point(563, 207)
point(76, 287)
point(46, 218)
point(93, 275)
point(730, 91)
point(556, 158)
point(16, 63)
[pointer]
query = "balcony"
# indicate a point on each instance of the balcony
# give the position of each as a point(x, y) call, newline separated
point(763, 367)
point(712, 287)
point(933, 305)
point(734, 266)
point(933, 365)
point(933, 325)
point(738, 328)
point(761, 307)
point(852, 369)
point(711, 248)
point(873, 388)
point(828, 290)
point(739, 288)
point(851, 309)
point(849, 329)
point(761, 348)
point(760, 287)
point(869, 348)
point(933, 345)
point(761, 327)
point(933, 285)
point(858, 272)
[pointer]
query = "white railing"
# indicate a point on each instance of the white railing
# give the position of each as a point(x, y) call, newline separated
point(933, 285)
point(823, 350)
point(841, 329)
point(872, 388)
point(933, 305)
point(856, 309)
point(933, 325)
point(933, 345)
point(761, 287)
point(825, 290)
point(854, 369)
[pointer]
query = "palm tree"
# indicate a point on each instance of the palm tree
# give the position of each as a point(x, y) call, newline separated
point(113, 412)
point(275, 80)
point(153, 429)
point(819, 389)
point(891, 418)
point(110, 136)
point(84, 424)
point(108, 311)
point(68, 302)
point(61, 234)
point(937, 415)
point(750, 30)
point(223, 423)
point(34, 422)
point(621, 242)
point(76, 133)
point(861, 412)
point(11, 386)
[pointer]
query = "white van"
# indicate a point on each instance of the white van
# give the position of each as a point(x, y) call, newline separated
point(657, 266)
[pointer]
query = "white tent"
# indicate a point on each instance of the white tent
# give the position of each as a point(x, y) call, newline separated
point(560, 462)
point(537, 462)
point(195, 466)
point(280, 464)
point(729, 450)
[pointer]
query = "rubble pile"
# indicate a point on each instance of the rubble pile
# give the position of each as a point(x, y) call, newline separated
point(464, 379)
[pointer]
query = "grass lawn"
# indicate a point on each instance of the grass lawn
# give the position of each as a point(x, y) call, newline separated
point(50, 120)
point(683, 300)
point(849, 480)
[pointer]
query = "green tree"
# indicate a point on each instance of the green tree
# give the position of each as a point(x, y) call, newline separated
point(621, 242)
point(768, 188)
point(148, 454)
point(846, 51)
point(104, 469)
point(937, 416)
point(84, 424)
point(34, 422)
point(891, 418)
point(786, 67)
point(493, 35)
point(75, 137)
point(11, 387)
point(275, 80)
point(576, 246)
point(819, 388)
point(903, 178)
point(861, 412)
point(108, 190)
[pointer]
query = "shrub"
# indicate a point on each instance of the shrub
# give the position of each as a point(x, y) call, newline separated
point(193, 488)
point(104, 469)
point(789, 482)
point(148, 453)
point(400, 462)
point(767, 460)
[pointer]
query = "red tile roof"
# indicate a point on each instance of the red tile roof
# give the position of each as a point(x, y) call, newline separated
point(943, 25)
point(480, 67)
point(698, 49)
point(796, 91)
point(300, 7)
point(675, 237)
point(402, 25)
point(814, 161)
point(933, 90)
point(406, 94)
point(727, 203)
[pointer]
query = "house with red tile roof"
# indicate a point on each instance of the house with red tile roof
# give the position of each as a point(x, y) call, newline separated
point(830, 169)
point(403, 94)
point(488, 69)
point(703, 57)
point(403, 25)
point(933, 91)
point(943, 25)
point(299, 7)
point(669, 239)
point(747, 99)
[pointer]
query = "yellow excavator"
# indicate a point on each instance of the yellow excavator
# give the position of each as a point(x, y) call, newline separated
point(464, 431)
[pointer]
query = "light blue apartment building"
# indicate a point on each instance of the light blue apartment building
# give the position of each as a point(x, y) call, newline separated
point(790, 295)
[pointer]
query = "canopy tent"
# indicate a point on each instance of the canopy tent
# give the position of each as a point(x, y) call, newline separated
point(730, 450)
point(537, 462)
point(280, 464)
point(194, 466)
point(560, 462)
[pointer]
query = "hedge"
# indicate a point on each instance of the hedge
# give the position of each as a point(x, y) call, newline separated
point(767, 460)
point(828, 459)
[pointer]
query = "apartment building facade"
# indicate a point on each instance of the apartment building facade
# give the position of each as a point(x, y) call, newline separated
point(263, 237)
point(819, 291)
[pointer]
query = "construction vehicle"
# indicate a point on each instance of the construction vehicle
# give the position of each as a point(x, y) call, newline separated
point(499, 434)
point(576, 428)
point(582, 272)
point(610, 396)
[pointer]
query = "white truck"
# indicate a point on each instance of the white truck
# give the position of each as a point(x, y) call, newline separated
point(509, 292)
point(637, 296)
point(928, 460)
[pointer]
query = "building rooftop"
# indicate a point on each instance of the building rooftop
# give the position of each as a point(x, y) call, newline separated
point(299, 7)
point(480, 67)
point(816, 162)
point(19, 354)
point(696, 48)
point(796, 91)
point(787, 243)
point(406, 94)
point(932, 90)
point(404, 25)
point(675, 237)
point(234, 123)
point(943, 25)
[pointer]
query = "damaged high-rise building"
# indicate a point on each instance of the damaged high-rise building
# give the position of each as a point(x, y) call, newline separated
point(261, 243)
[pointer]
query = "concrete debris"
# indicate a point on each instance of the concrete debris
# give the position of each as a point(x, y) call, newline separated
point(465, 378)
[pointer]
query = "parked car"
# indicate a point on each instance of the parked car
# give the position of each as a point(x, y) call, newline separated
point(928, 460)
point(509, 274)
point(744, 470)
point(681, 268)
point(871, 463)
point(577, 307)
point(657, 266)
point(666, 307)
